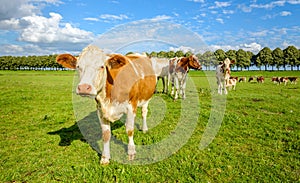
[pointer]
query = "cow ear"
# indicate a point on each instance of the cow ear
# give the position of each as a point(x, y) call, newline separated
point(232, 62)
point(116, 61)
point(67, 61)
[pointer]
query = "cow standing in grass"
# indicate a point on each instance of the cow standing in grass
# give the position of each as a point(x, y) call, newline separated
point(119, 84)
point(178, 70)
point(161, 69)
point(223, 76)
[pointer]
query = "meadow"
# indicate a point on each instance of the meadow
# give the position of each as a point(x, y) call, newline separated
point(258, 140)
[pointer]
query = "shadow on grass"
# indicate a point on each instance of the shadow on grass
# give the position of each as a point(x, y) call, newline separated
point(87, 130)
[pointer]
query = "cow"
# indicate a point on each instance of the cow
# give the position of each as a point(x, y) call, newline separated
point(242, 79)
point(251, 78)
point(119, 84)
point(223, 76)
point(178, 70)
point(293, 80)
point(161, 69)
point(275, 80)
point(260, 79)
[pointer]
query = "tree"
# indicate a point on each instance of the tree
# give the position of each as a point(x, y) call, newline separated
point(291, 55)
point(220, 55)
point(265, 56)
point(208, 59)
point(278, 57)
point(179, 53)
point(243, 59)
point(231, 54)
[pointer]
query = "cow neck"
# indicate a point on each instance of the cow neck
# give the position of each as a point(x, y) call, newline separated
point(182, 65)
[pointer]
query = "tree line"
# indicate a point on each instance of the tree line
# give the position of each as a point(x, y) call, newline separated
point(264, 59)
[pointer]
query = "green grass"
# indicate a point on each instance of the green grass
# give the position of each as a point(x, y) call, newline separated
point(259, 140)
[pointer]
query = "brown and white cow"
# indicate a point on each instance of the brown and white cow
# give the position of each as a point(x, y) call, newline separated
point(223, 76)
point(161, 70)
point(293, 80)
point(178, 70)
point(260, 79)
point(242, 79)
point(119, 85)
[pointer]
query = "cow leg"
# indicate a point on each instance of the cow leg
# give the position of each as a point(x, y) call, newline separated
point(130, 132)
point(106, 135)
point(144, 115)
point(183, 86)
point(224, 86)
point(176, 83)
point(220, 88)
point(164, 84)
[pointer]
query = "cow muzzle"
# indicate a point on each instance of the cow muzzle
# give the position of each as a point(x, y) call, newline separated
point(85, 90)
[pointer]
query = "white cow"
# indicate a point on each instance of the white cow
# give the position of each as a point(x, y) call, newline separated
point(223, 76)
point(161, 69)
point(119, 84)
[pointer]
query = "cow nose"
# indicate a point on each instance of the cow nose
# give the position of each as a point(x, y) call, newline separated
point(84, 89)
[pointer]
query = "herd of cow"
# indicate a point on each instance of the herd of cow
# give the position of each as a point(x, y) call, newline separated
point(121, 83)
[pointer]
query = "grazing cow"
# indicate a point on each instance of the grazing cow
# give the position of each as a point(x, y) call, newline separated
point(223, 76)
point(276, 80)
point(260, 79)
point(161, 69)
point(119, 84)
point(251, 78)
point(242, 79)
point(293, 80)
point(178, 70)
point(284, 80)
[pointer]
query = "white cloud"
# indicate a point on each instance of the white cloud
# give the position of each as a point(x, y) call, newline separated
point(259, 33)
point(48, 30)
point(285, 13)
point(220, 5)
point(220, 20)
point(269, 5)
point(110, 17)
point(184, 49)
point(293, 1)
point(91, 19)
point(253, 47)
point(197, 1)
point(161, 17)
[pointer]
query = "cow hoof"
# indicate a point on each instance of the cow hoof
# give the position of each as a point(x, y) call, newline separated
point(131, 152)
point(104, 161)
point(145, 130)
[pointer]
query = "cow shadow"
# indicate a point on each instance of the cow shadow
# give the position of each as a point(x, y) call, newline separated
point(87, 130)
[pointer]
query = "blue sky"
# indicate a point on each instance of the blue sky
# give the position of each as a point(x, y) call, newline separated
point(42, 27)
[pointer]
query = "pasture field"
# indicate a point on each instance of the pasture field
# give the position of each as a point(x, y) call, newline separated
point(258, 141)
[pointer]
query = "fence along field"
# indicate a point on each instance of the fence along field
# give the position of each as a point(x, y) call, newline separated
point(259, 140)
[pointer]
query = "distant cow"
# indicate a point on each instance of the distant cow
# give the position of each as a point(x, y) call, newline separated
point(293, 80)
point(251, 78)
point(242, 79)
point(260, 79)
point(178, 70)
point(223, 75)
point(161, 69)
point(119, 84)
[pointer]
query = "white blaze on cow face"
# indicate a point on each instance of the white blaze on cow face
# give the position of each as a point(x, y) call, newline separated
point(90, 66)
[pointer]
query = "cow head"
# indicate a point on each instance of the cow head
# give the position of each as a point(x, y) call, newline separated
point(194, 62)
point(91, 67)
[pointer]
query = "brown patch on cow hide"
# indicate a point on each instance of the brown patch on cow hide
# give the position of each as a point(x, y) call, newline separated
point(182, 65)
point(67, 60)
point(129, 79)
point(130, 133)
point(106, 136)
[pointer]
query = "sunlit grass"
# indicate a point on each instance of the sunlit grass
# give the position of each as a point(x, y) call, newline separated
point(259, 140)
